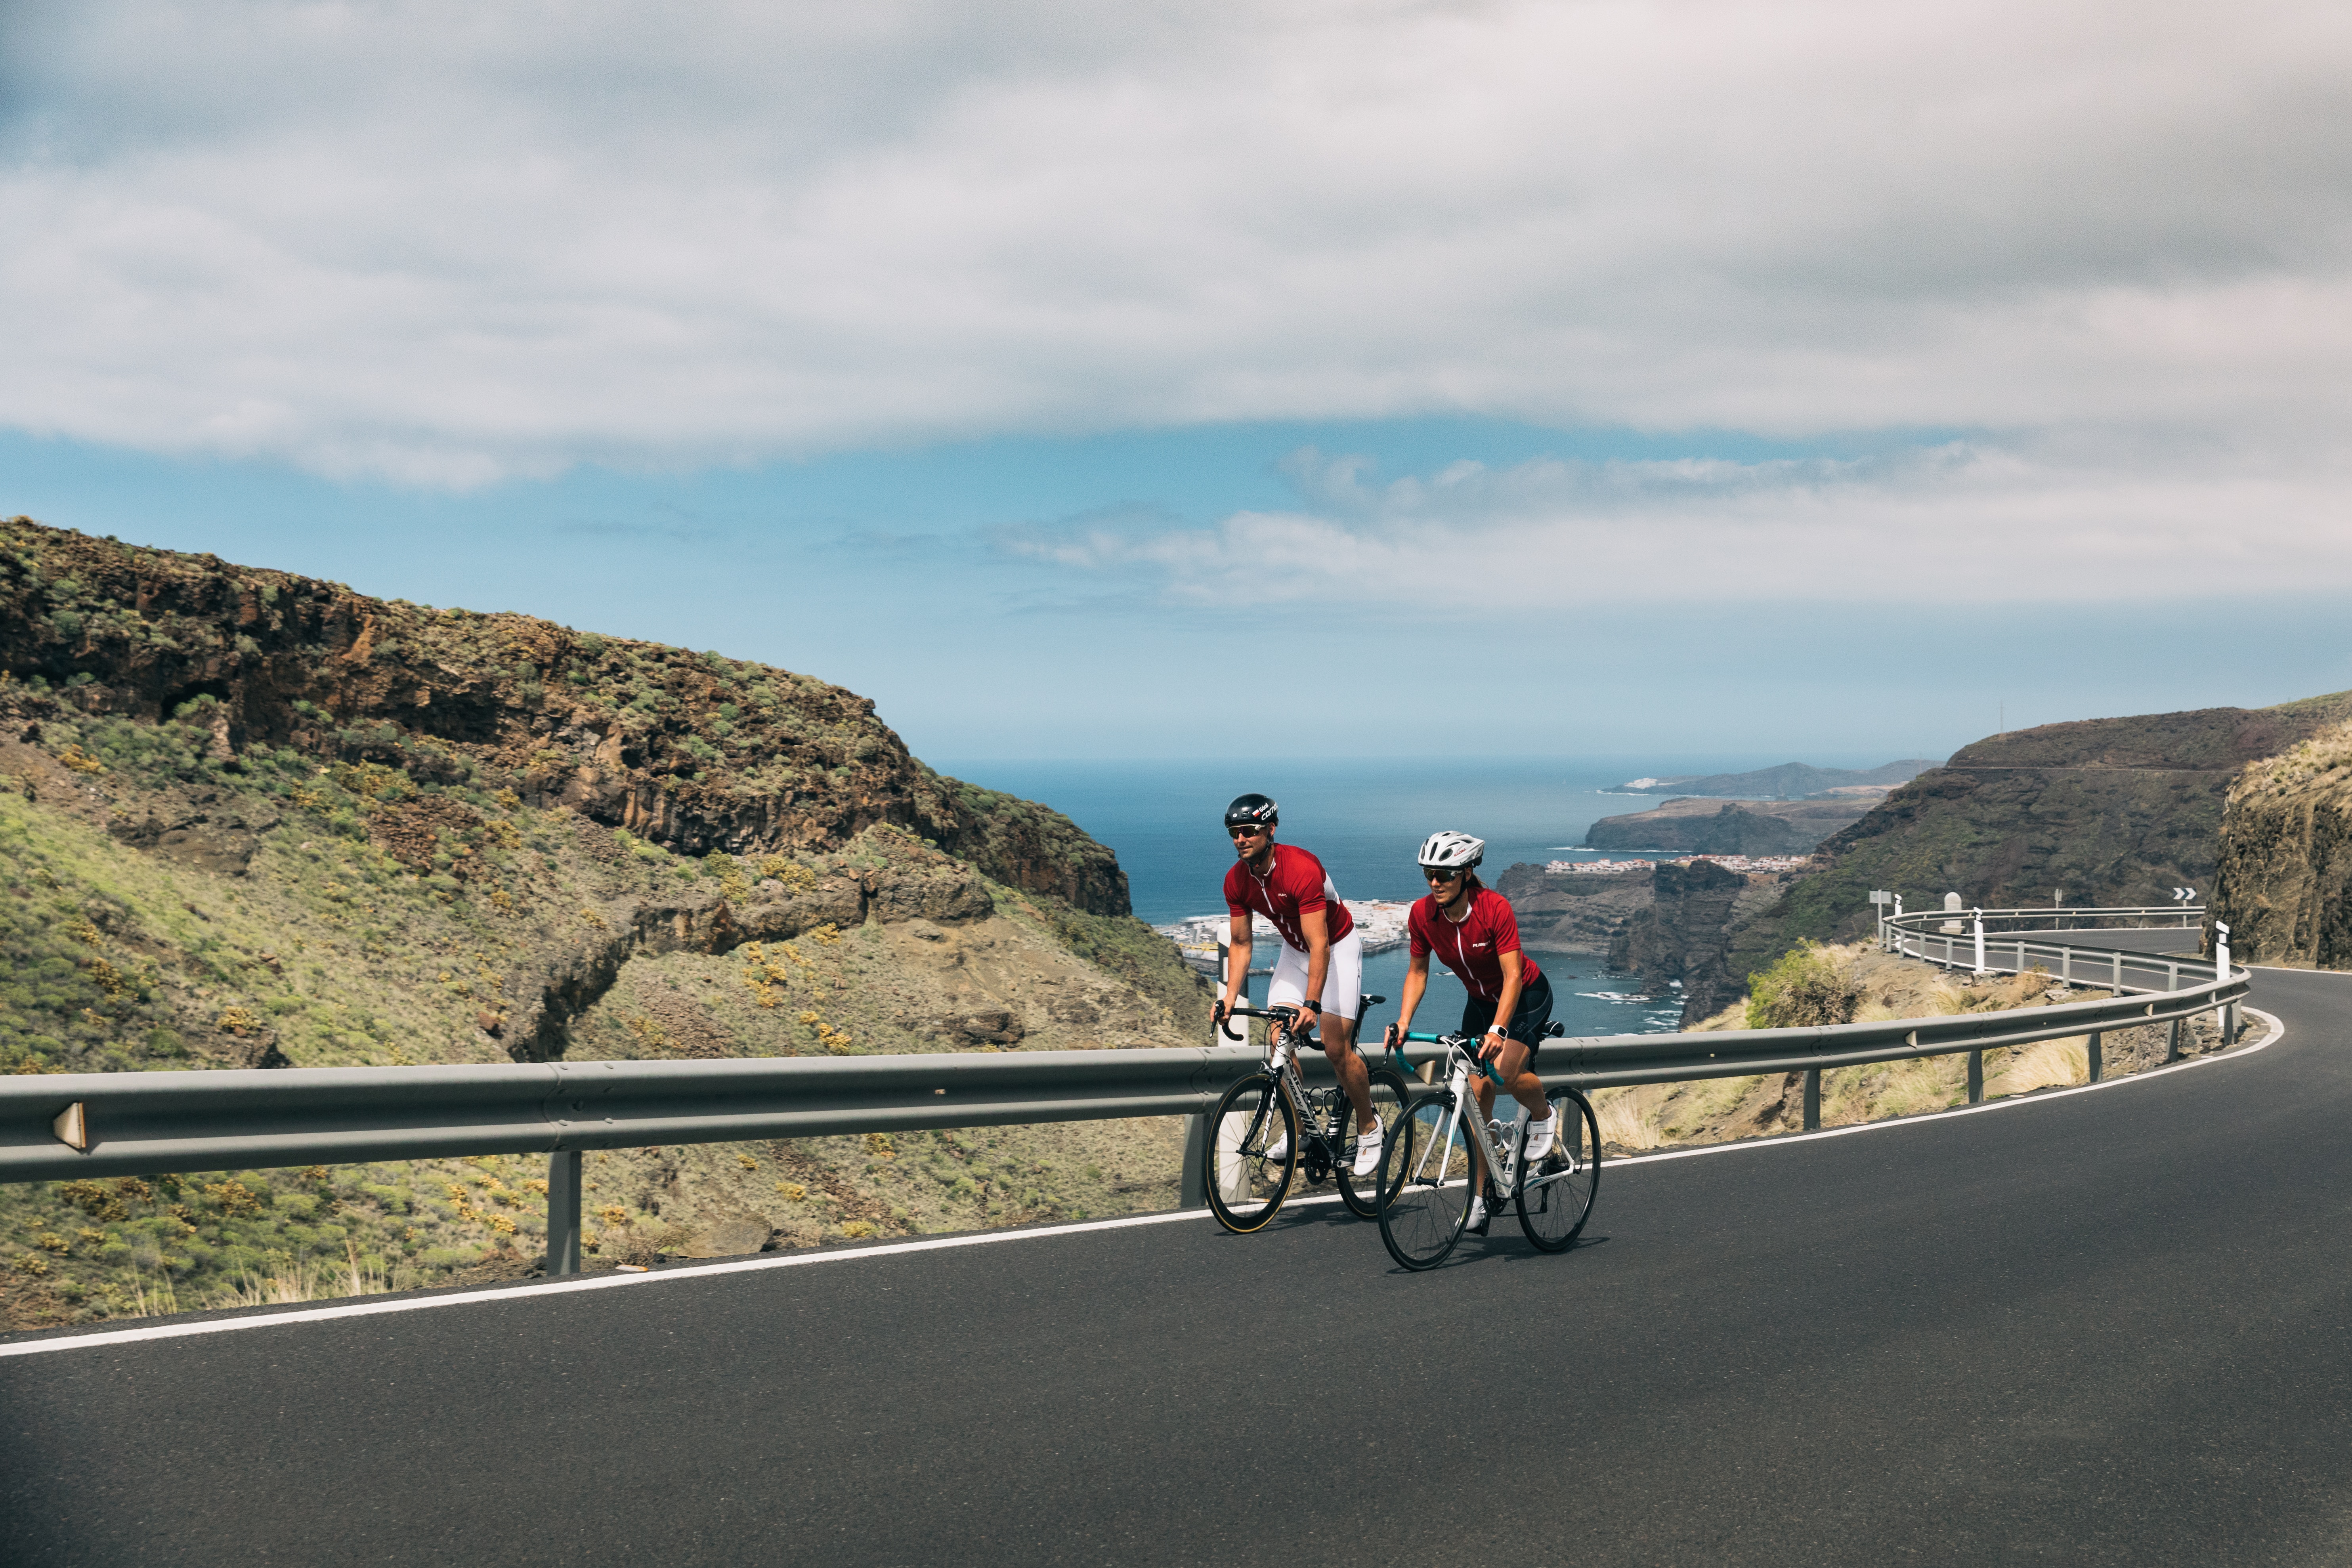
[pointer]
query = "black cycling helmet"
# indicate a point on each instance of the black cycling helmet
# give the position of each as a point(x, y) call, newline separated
point(1252, 811)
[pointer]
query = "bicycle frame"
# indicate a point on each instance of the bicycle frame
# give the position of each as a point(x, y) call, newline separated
point(1503, 1174)
point(1283, 1046)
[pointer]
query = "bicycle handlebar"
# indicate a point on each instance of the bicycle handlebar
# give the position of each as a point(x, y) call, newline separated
point(1458, 1042)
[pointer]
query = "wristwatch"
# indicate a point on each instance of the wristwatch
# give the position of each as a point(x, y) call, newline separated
point(1314, 1008)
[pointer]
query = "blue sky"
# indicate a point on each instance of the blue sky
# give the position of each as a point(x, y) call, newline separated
point(1316, 378)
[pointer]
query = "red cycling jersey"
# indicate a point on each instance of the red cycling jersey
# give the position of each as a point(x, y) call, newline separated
point(1295, 884)
point(1473, 949)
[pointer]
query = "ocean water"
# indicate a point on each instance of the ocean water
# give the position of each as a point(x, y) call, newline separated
point(1365, 821)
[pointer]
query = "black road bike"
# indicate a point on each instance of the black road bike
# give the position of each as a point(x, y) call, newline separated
point(1269, 1126)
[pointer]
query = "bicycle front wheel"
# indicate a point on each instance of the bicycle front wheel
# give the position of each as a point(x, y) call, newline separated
point(1556, 1197)
point(1425, 1182)
point(1253, 1150)
point(1362, 1194)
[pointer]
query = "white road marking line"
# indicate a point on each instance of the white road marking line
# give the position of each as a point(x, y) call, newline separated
point(799, 1261)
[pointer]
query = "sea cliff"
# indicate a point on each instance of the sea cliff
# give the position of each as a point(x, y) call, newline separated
point(1573, 911)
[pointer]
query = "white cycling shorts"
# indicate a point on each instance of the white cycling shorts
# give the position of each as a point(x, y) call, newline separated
point(1343, 977)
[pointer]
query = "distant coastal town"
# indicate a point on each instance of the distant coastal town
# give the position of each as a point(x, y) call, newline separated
point(1200, 938)
point(1743, 863)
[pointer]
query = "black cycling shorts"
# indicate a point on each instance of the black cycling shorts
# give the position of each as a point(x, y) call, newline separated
point(1529, 1021)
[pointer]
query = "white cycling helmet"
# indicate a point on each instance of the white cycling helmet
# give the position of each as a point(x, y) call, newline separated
point(1449, 851)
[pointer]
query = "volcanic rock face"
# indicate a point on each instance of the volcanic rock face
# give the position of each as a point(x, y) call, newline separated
point(2286, 857)
point(693, 751)
point(1685, 935)
point(1570, 911)
point(2102, 811)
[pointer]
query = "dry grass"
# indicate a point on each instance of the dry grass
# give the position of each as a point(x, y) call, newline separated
point(1623, 1119)
point(2050, 1064)
point(1650, 1116)
point(288, 1282)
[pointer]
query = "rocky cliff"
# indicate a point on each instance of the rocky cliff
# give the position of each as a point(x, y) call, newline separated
point(1707, 826)
point(2102, 811)
point(1573, 911)
point(2286, 857)
point(251, 820)
point(1685, 935)
point(693, 752)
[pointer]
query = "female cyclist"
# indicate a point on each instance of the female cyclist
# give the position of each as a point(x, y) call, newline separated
point(1471, 928)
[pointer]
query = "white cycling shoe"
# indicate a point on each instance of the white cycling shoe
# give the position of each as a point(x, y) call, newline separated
point(1276, 1153)
point(1368, 1152)
point(1539, 1136)
point(1477, 1225)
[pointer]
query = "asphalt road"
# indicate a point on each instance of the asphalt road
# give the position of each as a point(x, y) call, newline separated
point(2103, 1327)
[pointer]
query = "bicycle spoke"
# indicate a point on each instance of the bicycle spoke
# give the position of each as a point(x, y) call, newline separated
point(1422, 1217)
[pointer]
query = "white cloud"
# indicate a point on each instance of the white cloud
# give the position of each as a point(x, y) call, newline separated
point(1960, 522)
point(446, 243)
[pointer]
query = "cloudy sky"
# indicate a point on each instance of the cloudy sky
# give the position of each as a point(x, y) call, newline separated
point(1825, 380)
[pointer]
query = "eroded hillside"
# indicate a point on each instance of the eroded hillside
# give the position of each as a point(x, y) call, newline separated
point(2103, 811)
point(219, 856)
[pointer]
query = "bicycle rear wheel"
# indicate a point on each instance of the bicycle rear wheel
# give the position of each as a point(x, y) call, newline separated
point(1424, 1183)
point(1362, 1194)
point(1245, 1187)
point(1556, 1197)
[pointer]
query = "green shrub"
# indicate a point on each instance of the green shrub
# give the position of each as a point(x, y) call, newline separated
point(1804, 989)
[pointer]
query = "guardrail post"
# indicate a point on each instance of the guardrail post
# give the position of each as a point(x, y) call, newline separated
point(564, 1212)
point(1976, 1078)
point(1193, 1189)
point(2091, 1053)
point(1979, 933)
point(2118, 986)
point(2066, 965)
point(2172, 976)
point(1812, 1100)
point(2172, 1041)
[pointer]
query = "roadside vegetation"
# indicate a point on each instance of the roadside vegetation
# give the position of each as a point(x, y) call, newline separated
point(1854, 982)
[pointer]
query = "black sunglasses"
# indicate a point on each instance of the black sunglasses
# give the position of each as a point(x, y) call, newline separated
point(1435, 875)
point(1248, 832)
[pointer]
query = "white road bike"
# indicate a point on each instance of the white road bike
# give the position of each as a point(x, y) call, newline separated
point(1429, 1167)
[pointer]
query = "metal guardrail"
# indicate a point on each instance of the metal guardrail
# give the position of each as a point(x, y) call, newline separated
point(105, 1124)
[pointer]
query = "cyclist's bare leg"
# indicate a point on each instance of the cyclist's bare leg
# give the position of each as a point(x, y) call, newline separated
point(1338, 1037)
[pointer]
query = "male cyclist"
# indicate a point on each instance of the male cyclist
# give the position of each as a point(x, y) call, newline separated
point(1471, 928)
point(1320, 971)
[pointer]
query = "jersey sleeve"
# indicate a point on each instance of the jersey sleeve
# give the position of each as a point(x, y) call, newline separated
point(1417, 930)
point(1233, 905)
point(1506, 924)
point(1302, 879)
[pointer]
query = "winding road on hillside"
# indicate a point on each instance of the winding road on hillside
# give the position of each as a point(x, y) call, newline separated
point(2107, 1326)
